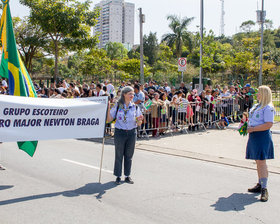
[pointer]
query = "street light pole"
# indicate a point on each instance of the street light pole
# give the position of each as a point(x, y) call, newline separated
point(261, 48)
point(201, 39)
point(142, 20)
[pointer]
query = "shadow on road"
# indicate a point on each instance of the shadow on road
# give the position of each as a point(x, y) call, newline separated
point(235, 202)
point(4, 187)
point(91, 188)
point(88, 189)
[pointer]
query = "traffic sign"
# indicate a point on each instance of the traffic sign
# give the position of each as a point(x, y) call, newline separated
point(182, 64)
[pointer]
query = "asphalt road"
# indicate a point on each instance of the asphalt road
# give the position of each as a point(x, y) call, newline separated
point(60, 185)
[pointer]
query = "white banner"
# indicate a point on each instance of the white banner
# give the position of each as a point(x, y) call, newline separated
point(30, 119)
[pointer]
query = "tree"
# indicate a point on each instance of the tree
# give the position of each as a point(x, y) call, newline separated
point(276, 35)
point(268, 24)
point(30, 39)
point(116, 50)
point(134, 53)
point(95, 64)
point(165, 53)
point(246, 57)
point(150, 45)
point(247, 26)
point(42, 67)
point(130, 66)
point(67, 22)
point(180, 35)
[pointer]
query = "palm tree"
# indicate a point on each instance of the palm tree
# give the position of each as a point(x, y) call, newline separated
point(180, 35)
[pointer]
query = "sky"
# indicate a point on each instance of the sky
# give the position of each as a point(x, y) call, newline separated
point(156, 11)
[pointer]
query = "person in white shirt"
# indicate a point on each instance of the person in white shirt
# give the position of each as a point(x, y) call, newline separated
point(61, 88)
point(110, 88)
point(167, 88)
point(226, 96)
point(73, 88)
point(99, 91)
point(4, 83)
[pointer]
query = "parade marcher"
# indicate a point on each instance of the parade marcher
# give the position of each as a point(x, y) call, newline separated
point(128, 116)
point(260, 146)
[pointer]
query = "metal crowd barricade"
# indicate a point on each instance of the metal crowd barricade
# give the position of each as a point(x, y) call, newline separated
point(159, 120)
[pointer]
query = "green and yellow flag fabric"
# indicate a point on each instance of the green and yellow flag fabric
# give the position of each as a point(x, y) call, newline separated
point(12, 67)
point(243, 129)
point(148, 104)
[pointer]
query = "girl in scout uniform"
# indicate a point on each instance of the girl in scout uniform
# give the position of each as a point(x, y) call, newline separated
point(127, 116)
point(260, 145)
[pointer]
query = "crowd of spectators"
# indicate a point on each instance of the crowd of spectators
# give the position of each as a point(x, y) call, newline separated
point(164, 107)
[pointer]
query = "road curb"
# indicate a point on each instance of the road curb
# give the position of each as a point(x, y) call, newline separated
point(246, 164)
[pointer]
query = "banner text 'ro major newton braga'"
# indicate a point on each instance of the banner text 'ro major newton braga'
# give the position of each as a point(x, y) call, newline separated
point(30, 119)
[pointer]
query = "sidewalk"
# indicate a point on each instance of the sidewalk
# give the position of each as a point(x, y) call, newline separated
point(218, 146)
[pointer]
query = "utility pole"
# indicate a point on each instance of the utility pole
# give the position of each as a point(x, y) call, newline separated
point(222, 26)
point(261, 48)
point(201, 39)
point(142, 20)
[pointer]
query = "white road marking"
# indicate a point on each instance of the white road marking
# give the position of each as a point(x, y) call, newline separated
point(86, 165)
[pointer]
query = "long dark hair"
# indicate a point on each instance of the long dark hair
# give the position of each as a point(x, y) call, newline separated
point(125, 90)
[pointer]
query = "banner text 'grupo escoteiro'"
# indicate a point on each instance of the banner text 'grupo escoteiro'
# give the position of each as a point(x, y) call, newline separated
point(29, 119)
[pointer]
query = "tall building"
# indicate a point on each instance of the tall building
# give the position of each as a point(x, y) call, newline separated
point(116, 22)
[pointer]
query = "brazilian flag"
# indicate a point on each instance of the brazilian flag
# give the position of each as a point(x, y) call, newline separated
point(243, 129)
point(12, 67)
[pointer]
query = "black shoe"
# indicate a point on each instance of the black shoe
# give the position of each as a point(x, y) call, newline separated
point(264, 195)
point(128, 180)
point(118, 181)
point(256, 189)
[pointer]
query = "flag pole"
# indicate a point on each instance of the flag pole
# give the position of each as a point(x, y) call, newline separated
point(101, 162)
point(103, 142)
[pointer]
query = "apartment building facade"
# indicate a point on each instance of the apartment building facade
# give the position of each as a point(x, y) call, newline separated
point(116, 22)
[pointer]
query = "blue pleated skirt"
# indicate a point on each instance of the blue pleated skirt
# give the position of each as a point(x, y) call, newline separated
point(260, 146)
